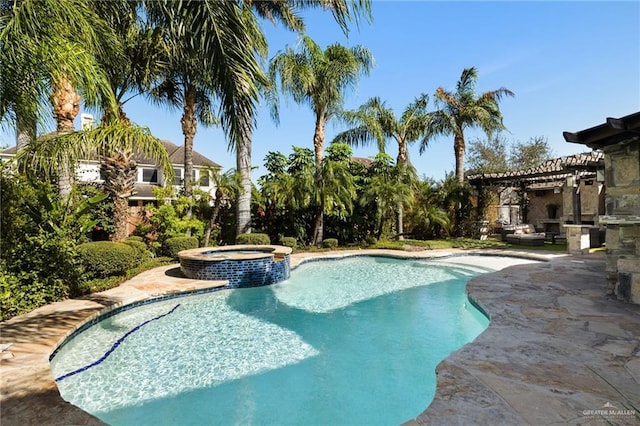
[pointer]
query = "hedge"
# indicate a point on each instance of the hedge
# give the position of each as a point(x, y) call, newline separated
point(105, 258)
point(172, 246)
point(255, 239)
point(289, 242)
point(142, 253)
point(330, 243)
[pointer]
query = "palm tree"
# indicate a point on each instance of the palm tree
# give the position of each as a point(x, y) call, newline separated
point(42, 60)
point(463, 109)
point(375, 122)
point(344, 12)
point(214, 48)
point(114, 144)
point(387, 187)
point(318, 78)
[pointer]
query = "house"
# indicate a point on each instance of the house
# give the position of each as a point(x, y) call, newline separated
point(149, 175)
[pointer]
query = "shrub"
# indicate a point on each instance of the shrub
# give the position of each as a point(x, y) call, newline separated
point(142, 253)
point(289, 242)
point(134, 238)
point(370, 240)
point(105, 258)
point(255, 239)
point(172, 246)
point(330, 243)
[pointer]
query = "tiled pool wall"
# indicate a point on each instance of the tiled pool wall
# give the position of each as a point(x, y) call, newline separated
point(241, 272)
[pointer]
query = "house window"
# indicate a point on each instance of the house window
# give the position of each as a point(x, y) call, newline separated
point(177, 177)
point(204, 178)
point(150, 175)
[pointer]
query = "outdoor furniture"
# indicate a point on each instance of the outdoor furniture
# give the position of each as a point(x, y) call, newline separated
point(524, 235)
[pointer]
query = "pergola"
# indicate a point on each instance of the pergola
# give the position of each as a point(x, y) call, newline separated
point(568, 170)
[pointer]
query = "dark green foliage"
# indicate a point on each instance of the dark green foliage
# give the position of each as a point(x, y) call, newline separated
point(172, 246)
point(330, 243)
point(142, 253)
point(289, 242)
point(39, 269)
point(38, 261)
point(254, 238)
point(106, 258)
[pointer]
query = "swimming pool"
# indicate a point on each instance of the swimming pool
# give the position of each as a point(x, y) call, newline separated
point(351, 341)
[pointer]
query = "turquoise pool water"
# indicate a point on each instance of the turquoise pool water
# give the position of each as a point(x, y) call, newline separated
point(352, 341)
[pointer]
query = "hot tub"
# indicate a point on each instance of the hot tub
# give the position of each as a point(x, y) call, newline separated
point(241, 265)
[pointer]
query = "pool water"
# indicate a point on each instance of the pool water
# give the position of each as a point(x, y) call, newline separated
point(352, 341)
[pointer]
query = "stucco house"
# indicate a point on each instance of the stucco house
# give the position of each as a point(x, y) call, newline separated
point(149, 175)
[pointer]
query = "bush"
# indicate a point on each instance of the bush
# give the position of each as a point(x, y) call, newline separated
point(105, 258)
point(289, 242)
point(255, 239)
point(172, 246)
point(38, 270)
point(370, 240)
point(330, 243)
point(142, 253)
point(134, 238)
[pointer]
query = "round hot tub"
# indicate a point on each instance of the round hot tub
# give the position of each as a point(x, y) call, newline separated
point(241, 265)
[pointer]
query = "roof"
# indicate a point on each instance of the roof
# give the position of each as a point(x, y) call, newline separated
point(367, 162)
point(585, 164)
point(613, 131)
point(176, 155)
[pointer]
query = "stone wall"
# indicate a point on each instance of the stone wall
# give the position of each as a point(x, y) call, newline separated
point(622, 169)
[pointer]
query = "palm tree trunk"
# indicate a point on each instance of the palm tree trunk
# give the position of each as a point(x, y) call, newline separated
point(318, 145)
point(120, 172)
point(25, 133)
point(214, 216)
point(66, 105)
point(458, 149)
point(401, 161)
point(400, 221)
point(188, 122)
point(243, 166)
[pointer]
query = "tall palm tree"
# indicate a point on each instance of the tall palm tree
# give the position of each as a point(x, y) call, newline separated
point(318, 78)
point(461, 110)
point(375, 122)
point(42, 60)
point(214, 48)
point(344, 12)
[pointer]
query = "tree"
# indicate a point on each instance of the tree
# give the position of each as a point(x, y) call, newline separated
point(525, 155)
point(214, 48)
point(488, 156)
point(461, 110)
point(318, 78)
point(227, 186)
point(374, 121)
point(42, 60)
point(114, 144)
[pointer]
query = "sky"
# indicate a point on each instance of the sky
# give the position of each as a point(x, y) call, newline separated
point(570, 64)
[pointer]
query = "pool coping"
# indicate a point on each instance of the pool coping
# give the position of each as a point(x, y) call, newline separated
point(27, 384)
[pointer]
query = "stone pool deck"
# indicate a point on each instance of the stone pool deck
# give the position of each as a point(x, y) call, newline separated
point(556, 352)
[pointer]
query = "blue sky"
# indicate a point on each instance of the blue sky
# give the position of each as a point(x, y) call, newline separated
point(570, 64)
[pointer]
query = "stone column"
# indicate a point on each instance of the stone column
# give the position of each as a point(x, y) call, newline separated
point(622, 218)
